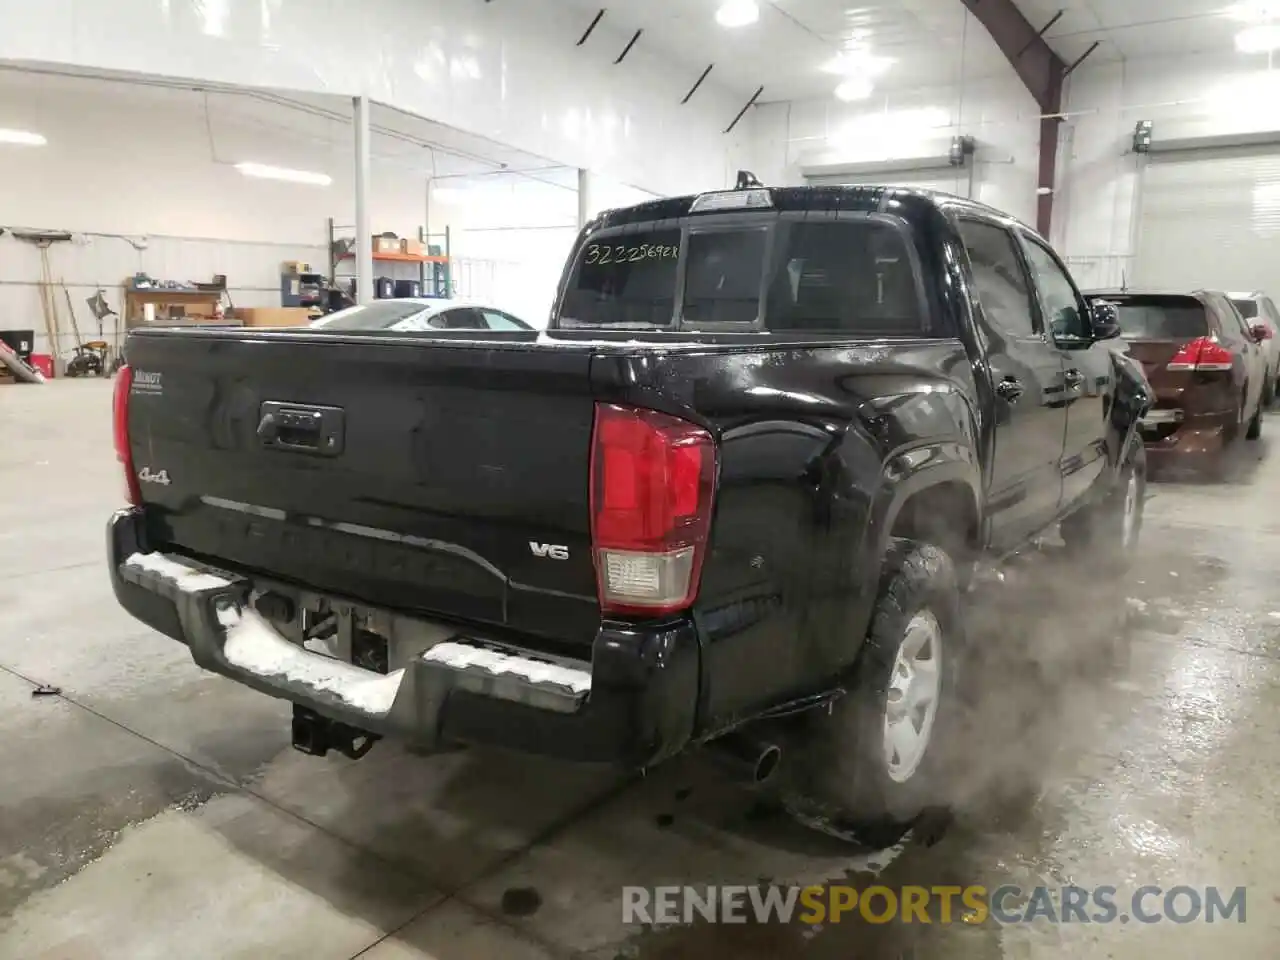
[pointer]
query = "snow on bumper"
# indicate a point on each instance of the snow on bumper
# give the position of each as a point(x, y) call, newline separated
point(253, 645)
point(632, 704)
point(247, 647)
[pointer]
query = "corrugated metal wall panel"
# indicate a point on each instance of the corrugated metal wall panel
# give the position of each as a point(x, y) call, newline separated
point(1210, 219)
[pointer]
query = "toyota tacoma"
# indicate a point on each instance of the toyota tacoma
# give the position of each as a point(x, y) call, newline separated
point(730, 497)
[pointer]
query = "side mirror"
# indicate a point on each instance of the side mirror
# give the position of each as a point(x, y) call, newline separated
point(1261, 332)
point(1105, 319)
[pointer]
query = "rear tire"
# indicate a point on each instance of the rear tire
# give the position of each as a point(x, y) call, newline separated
point(870, 767)
point(1269, 393)
point(1112, 526)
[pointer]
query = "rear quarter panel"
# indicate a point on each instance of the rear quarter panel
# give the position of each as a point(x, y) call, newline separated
point(811, 438)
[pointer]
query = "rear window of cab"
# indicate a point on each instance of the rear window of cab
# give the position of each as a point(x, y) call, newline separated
point(848, 276)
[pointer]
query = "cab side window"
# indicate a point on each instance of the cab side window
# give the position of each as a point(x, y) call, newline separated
point(1062, 308)
point(1001, 283)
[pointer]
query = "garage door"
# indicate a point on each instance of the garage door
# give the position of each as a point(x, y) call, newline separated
point(955, 180)
point(1210, 219)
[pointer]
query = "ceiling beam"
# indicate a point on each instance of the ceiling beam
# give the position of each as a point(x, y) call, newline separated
point(1042, 72)
point(1040, 69)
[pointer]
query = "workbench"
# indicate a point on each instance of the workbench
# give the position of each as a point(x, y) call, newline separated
point(167, 302)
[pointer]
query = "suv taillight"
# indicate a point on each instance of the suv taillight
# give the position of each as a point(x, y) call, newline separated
point(652, 482)
point(120, 430)
point(1202, 354)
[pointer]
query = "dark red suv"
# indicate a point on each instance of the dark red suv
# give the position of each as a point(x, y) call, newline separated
point(1207, 366)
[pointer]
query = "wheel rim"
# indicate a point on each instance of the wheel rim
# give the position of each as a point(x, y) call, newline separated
point(1132, 506)
point(912, 701)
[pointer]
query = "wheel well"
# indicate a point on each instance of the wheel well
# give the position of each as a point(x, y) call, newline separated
point(945, 515)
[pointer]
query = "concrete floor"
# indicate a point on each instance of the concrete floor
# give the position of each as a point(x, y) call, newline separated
point(1125, 734)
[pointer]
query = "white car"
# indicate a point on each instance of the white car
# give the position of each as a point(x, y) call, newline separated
point(420, 314)
point(1257, 307)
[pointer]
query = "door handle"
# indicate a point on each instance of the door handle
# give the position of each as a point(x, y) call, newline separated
point(1009, 390)
point(1074, 378)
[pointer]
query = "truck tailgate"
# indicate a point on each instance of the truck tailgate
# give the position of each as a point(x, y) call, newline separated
point(447, 479)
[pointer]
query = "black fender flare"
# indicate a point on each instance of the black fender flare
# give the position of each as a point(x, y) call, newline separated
point(908, 473)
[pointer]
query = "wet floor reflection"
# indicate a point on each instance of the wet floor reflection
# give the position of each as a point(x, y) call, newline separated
point(1106, 719)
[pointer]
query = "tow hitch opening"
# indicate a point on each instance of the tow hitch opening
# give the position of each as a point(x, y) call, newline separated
point(317, 735)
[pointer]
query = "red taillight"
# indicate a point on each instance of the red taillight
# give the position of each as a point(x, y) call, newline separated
point(120, 430)
point(652, 481)
point(1200, 355)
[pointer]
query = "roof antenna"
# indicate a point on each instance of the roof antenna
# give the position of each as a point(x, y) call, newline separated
point(747, 179)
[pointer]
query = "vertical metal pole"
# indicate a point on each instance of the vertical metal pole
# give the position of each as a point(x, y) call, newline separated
point(424, 235)
point(584, 197)
point(364, 235)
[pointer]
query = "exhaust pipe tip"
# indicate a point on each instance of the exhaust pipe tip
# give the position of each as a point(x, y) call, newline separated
point(745, 758)
point(767, 763)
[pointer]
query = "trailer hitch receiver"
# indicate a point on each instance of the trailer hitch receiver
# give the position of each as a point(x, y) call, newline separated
point(317, 735)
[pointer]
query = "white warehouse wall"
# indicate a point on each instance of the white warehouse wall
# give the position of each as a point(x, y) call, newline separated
point(1097, 202)
point(512, 234)
point(899, 121)
point(511, 72)
point(143, 166)
point(147, 184)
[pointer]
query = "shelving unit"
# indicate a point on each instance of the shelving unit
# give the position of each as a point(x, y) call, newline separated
point(401, 258)
point(434, 275)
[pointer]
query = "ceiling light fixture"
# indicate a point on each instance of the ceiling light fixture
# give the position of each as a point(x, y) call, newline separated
point(1260, 39)
point(22, 137)
point(858, 62)
point(738, 13)
point(266, 172)
point(855, 88)
point(1254, 11)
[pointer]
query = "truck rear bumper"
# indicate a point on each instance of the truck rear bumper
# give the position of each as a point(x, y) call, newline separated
point(634, 704)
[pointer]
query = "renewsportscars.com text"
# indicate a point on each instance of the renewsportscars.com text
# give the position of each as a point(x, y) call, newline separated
point(940, 904)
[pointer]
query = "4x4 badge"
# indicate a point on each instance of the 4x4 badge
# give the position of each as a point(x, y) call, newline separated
point(146, 476)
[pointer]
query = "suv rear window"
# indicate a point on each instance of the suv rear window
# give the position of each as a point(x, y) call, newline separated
point(836, 276)
point(1160, 318)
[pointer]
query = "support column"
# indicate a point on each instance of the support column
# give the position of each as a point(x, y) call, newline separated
point(584, 197)
point(1041, 72)
point(364, 234)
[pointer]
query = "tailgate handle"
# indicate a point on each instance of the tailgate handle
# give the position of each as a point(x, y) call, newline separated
point(302, 428)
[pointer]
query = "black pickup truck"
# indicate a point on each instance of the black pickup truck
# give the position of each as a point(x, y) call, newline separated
point(730, 497)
